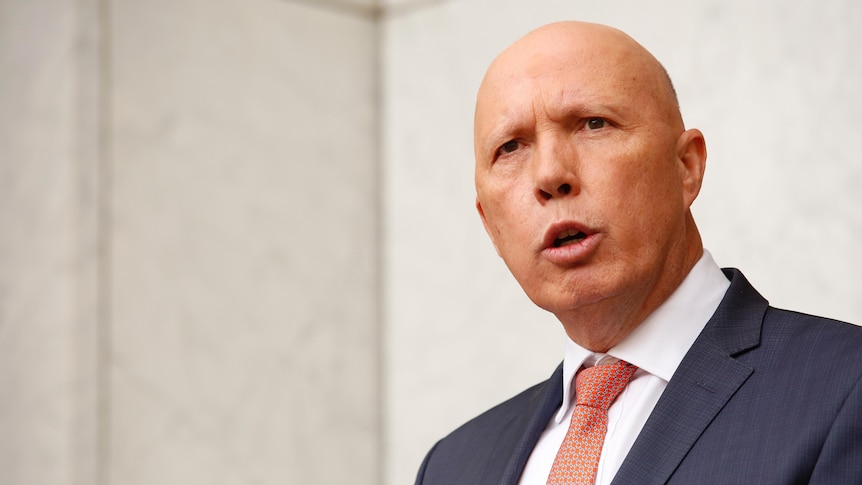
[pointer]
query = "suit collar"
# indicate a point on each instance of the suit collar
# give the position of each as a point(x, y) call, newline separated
point(735, 327)
point(534, 421)
point(705, 380)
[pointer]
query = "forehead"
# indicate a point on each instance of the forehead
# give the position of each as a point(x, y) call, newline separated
point(525, 85)
point(550, 82)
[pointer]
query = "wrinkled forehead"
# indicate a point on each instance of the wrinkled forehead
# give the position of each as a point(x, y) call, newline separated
point(572, 60)
point(560, 79)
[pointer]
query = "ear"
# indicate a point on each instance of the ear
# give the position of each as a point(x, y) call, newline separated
point(691, 153)
point(485, 225)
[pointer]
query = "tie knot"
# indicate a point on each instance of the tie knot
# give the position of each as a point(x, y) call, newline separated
point(599, 385)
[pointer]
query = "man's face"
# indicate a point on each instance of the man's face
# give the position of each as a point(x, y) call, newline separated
point(579, 182)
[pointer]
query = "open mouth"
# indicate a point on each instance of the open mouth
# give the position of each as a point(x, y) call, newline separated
point(567, 237)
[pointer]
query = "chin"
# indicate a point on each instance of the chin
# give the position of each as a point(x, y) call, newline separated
point(558, 302)
point(580, 293)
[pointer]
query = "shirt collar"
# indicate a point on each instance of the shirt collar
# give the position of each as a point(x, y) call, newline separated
point(659, 343)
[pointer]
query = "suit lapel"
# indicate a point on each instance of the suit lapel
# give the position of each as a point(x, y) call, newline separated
point(527, 426)
point(706, 379)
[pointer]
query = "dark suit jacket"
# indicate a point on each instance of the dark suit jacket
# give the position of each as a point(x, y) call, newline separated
point(764, 396)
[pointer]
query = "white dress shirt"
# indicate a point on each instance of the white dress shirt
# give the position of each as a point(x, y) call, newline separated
point(656, 347)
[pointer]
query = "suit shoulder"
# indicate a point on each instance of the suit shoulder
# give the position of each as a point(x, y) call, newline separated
point(813, 342)
point(511, 409)
point(792, 324)
point(480, 450)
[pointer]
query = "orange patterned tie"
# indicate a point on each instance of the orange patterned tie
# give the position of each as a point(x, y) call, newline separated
point(595, 389)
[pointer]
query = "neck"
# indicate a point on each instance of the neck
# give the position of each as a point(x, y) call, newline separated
point(604, 324)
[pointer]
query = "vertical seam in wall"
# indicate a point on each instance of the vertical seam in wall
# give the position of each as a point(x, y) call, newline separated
point(381, 12)
point(104, 228)
point(84, 145)
point(380, 256)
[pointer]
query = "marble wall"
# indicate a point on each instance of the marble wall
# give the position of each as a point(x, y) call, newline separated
point(244, 335)
point(238, 242)
point(49, 239)
point(190, 282)
point(773, 85)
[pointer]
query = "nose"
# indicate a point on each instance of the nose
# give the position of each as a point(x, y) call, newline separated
point(554, 165)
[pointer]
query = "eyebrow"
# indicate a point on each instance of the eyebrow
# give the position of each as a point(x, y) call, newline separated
point(505, 128)
point(499, 134)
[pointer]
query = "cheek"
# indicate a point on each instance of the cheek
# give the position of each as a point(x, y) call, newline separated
point(505, 202)
point(493, 214)
point(641, 177)
point(512, 229)
point(638, 204)
point(508, 224)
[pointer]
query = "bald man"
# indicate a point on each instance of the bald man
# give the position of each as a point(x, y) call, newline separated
point(585, 175)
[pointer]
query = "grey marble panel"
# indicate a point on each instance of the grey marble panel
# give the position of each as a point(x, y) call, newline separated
point(49, 243)
point(245, 338)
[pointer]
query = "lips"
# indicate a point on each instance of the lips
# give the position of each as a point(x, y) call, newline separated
point(565, 234)
point(569, 236)
point(569, 243)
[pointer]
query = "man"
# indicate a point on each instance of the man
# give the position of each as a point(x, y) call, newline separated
point(585, 175)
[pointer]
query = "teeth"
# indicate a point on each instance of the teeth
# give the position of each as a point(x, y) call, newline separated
point(570, 241)
point(569, 236)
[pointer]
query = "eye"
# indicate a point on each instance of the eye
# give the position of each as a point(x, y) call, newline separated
point(508, 147)
point(596, 123)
